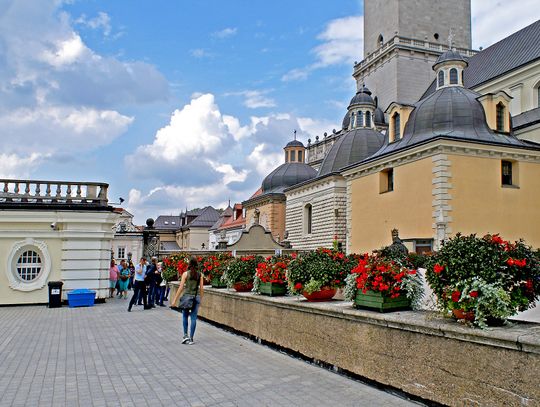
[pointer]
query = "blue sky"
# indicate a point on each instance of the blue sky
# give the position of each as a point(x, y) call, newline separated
point(181, 103)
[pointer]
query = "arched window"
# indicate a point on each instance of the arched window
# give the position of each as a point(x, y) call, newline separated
point(360, 119)
point(300, 158)
point(353, 119)
point(376, 100)
point(293, 156)
point(500, 117)
point(441, 78)
point(308, 216)
point(368, 119)
point(453, 76)
point(380, 40)
point(397, 126)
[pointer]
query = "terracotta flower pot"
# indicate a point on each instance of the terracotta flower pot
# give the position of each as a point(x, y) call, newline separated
point(324, 294)
point(466, 315)
point(243, 287)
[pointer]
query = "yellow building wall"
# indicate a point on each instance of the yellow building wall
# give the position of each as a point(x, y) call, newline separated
point(408, 207)
point(481, 205)
point(274, 214)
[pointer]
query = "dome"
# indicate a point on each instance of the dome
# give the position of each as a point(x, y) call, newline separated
point(449, 56)
point(453, 112)
point(362, 97)
point(346, 121)
point(378, 116)
point(294, 143)
point(287, 175)
point(354, 146)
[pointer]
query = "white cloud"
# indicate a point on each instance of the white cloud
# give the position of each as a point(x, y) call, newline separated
point(494, 20)
point(197, 129)
point(57, 95)
point(342, 43)
point(225, 33)
point(15, 166)
point(255, 98)
point(101, 21)
point(263, 160)
point(200, 53)
point(343, 39)
point(316, 127)
point(66, 129)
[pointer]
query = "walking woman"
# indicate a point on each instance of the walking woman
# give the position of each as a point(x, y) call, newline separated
point(191, 284)
point(113, 278)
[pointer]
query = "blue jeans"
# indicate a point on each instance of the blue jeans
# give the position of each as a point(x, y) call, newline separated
point(160, 294)
point(151, 293)
point(193, 313)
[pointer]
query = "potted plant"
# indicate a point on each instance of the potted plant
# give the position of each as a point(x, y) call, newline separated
point(241, 272)
point(487, 277)
point(318, 274)
point(214, 266)
point(270, 276)
point(383, 284)
point(174, 266)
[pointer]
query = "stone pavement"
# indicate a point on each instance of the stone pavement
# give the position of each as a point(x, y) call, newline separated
point(105, 356)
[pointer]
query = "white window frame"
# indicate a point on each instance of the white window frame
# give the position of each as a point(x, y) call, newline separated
point(18, 248)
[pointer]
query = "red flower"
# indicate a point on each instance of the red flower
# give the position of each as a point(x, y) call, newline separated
point(438, 268)
point(510, 262)
point(456, 295)
point(298, 286)
point(473, 294)
point(497, 239)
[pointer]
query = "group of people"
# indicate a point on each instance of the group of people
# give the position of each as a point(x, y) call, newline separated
point(150, 289)
point(153, 289)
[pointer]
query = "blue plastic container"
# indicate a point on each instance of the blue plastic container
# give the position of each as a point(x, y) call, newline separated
point(82, 297)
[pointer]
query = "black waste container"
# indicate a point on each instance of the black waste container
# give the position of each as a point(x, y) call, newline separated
point(55, 294)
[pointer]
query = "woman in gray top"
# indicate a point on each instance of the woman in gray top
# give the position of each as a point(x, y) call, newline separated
point(192, 283)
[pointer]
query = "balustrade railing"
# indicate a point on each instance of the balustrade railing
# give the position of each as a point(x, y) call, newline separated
point(53, 192)
point(414, 43)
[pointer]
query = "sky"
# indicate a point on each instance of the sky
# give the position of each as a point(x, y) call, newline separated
point(181, 103)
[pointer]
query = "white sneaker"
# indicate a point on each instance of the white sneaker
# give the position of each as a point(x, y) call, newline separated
point(191, 341)
point(186, 340)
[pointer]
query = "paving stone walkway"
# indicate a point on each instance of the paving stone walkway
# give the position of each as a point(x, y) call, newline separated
point(105, 356)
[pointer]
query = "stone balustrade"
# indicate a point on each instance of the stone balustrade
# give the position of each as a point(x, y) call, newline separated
point(35, 192)
point(409, 42)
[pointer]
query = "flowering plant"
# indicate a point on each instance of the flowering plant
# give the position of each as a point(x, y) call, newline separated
point(497, 272)
point(214, 265)
point(241, 270)
point(314, 270)
point(273, 269)
point(174, 266)
point(380, 274)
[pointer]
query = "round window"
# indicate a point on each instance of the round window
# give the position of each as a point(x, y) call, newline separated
point(29, 265)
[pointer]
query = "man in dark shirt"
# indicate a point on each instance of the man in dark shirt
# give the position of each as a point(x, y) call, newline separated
point(150, 281)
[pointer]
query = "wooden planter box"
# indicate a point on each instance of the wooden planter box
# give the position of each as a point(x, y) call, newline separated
point(272, 289)
point(217, 283)
point(373, 300)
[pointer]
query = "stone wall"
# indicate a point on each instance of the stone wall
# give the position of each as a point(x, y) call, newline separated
point(326, 197)
point(417, 352)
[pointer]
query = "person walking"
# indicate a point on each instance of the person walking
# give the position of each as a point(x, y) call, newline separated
point(151, 282)
point(191, 284)
point(139, 286)
point(113, 278)
point(123, 279)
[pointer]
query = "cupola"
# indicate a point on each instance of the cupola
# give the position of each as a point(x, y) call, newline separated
point(449, 69)
point(361, 110)
point(295, 152)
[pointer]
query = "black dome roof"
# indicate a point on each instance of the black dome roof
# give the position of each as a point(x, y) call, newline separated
point(354, 146)
point(379, 116)
point(363, 96)
point(449, 56)
point(452, 111)
point(294, 143)
point(287, 175)
point(346, 121)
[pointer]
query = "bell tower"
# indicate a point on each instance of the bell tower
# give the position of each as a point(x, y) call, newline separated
point(402, 41)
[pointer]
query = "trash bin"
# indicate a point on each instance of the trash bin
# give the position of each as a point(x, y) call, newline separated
point(55, 294)
point(82, 297)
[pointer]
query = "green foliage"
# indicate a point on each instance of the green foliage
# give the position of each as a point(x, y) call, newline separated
point(317, 269)
point(241, 270)
point(505, 270)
